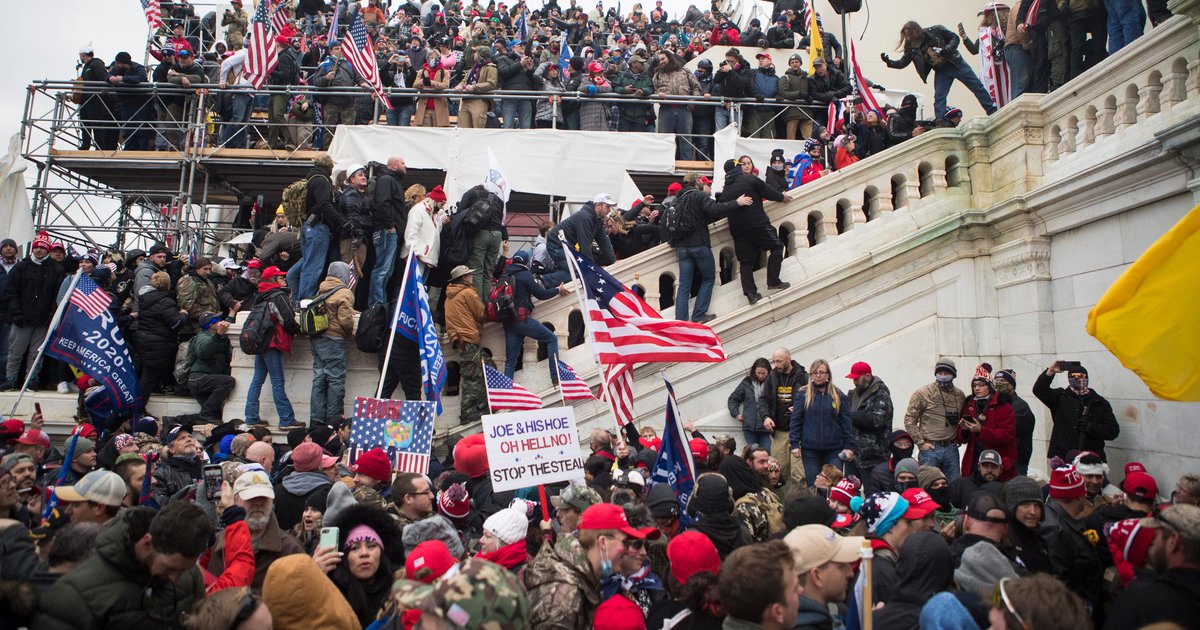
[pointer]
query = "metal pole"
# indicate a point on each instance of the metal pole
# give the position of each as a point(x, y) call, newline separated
point(387, 355)
point(50, 330)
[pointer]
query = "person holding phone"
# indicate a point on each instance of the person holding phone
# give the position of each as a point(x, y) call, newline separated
point(988, 423)
point(1082, 419)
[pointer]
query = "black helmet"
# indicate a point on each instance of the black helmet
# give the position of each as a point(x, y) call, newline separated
point(704, 63)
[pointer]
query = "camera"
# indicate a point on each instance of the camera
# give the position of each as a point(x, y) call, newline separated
point(953, 418)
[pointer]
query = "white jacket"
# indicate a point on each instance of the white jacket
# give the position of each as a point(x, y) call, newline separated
point(423, 232)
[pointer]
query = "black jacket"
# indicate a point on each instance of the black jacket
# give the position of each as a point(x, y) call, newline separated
point(525, 288)
point(172, 475)
point(583, 228)
point(1025, 426)
point(752, 216)
point(795, 380)
point(357, 210)
point(1080, 422)
point(778, 37)
point(710, 210)
point(238, 289)
point(513, 76)
point(924, 58)
point(477, 194)
point(1028, 547)
point(1172, 596)
point(158, 327)
point(871, 413)
point(831, 87)
point(925, 568)
point(29, 295)
point(287, 72)
point(869, 139)
point(320, 201)
point(388, 210)
point(1074, 559)
point(732, 83)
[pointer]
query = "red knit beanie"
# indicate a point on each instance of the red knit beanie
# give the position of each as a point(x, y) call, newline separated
point(1066, 484)
point(470, 456)
point(845, 490)
point(618, 613)
point(374, 464)
point(1129, 543)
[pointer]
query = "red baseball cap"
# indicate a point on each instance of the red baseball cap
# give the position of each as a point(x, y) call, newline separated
point(761, 55)
point(859, 369)
point(699, 448)
point(920, 504)
point(12, 426)
point(609, 516)
point(87, 430)
point(33, 437)
point(704, 181)
point(1140, 485)
point(272, 272)
point(254, 263)
point(1135, 467)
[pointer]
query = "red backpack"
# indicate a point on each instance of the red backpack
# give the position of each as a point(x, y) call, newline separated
point(500, 306)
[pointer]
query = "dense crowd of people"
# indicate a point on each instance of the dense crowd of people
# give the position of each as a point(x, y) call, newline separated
point(498, 65)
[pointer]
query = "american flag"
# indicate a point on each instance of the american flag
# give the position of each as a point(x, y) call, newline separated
point(503, 393)
point(90, 299)
point(361, 54)
point(402, 428)
point(617, 389)
point(261, 54)
point(153, 13)
point(860, 83)
point(625, 329)
point(573, 387)
point(280, 18)
point(808, 14)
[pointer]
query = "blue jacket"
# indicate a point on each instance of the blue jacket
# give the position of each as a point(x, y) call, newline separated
point(818, 426)
point(525, 288)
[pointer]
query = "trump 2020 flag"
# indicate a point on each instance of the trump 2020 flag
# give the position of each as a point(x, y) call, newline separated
point(402, 428)
point(87, 337)
point(414, 321)
point(674, 465)
point(1147, 318)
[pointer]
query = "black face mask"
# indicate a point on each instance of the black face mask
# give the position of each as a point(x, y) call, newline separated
point(900, 453)
point(901, 486)
point(941, 496)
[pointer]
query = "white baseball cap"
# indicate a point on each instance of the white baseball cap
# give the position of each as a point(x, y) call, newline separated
point(814, 545)
point(253, 484)
point(605, 199)
point(99, 486)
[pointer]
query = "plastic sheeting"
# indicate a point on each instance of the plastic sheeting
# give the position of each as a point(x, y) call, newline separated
point(16, 220)
point(727, 145)
point(575, 165)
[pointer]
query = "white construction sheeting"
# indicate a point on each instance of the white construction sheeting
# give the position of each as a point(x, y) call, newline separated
point(575, 165)
point(728, 145)
point(16, 218)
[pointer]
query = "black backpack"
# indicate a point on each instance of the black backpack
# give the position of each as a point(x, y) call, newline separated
point(679, 218)
point(259, 329)
point(371, 335)
point(480, 209)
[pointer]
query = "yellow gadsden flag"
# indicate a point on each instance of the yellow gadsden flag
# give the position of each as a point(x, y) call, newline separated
point(1148, 317)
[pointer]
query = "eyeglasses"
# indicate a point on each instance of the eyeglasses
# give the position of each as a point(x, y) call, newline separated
point(634, 544)
point(245, 610)
point(1001, 597)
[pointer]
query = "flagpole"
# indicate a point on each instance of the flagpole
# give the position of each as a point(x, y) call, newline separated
point(387, 355)
point(487, 393)
point(54, 322)
point(562, 395)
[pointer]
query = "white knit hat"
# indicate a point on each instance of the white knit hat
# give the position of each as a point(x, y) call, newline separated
point(508, 525)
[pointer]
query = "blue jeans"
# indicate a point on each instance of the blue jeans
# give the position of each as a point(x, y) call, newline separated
point(269, 363)
point(814, 460)
point(233, 132)
point(703, 127)
point(401, 115)
point(694, 260)
point(385, 259)
point(944, 458)
point(1126, 20)
point(314, 249)
point(512, 109)
point(721, 118)
point(516, 332)
point(677, 120)
point(138, 129)
point(943, 78)
point(1020, 69)
point(761, 438)
point(328, 399)
point(560, 275)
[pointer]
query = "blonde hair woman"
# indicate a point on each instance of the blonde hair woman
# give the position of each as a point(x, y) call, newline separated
point(820, 431)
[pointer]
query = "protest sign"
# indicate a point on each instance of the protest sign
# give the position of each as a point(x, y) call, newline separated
point(402, 428)
point(528, 448)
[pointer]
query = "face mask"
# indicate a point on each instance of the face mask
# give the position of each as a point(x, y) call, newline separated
point(945, 381)
point(605, 563)
point(941, 496)
point(900, 453)
point(1078, 385)
point(901, 486)
point(778, 167)
point(1003, 386)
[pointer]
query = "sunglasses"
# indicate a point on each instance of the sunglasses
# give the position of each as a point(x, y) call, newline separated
point(1000, 597)
point(634, 544)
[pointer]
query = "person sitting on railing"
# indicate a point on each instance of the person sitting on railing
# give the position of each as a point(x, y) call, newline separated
point(547, 78)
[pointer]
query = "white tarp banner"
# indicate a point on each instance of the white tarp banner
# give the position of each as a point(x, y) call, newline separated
point(575, 165)
point(16, 220)
point(728, 145)
point(527, 448)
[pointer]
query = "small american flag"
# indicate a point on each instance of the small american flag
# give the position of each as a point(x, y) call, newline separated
point(280, 17)
point(361, 54)
point(503, 393)
point(153, 13)
point(90, 299)
point(573, 387)
point(617, 389)
point(402, 428)
point(808, 14)
point(261, 53)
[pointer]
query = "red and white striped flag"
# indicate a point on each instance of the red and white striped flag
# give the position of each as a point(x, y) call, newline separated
point(617, 389)
point(625, 329)
point(860, 83)
point(91, 299)
point(361, 54)
point(281, 18)
point(153, 13)
point(573, 387)
point(261, 53)
point(504, 393)
point(993, 73)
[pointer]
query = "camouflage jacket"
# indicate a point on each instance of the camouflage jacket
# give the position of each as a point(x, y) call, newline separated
point(871, 415)
point(563, 590)
point(481, 595)
point(762, 513)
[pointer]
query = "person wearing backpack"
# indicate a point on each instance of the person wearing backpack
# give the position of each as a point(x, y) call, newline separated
point(323, 219)
point(485, 245)
point(327, 402)
point(273, 294)
point(687, 231)
point(524, 289)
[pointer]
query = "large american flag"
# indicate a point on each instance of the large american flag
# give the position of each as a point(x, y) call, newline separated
point(503, 393)
point(361, 54)
point(91, 299)
point(617, 389)
point(153, 13)
point(261, 54)
point(860, 82)
point(573, 387)
point(280, 17)
point(625, 329)
point(402, 428)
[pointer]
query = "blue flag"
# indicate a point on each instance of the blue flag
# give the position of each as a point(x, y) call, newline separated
point(414, 320)
point(88, 338)
point(674, 465)
point(564, 57)
point(522, 27)
point(52, 501)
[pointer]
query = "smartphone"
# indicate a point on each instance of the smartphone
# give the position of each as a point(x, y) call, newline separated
point(212, 481)
point(1070, 366)
point(329, 538)
point(37, 407)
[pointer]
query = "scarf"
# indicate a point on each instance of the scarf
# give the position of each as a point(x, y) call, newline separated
point(723, 530)
point(598, 80)
point(509, 556)
point(473, 75)
point(742, 480)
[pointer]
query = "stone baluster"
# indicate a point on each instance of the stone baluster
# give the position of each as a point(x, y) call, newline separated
point(1087, 131)
point(801, 237)
point(1193, 79)
point(1174, 89)
point(857, 214)
point(1148, 103)
point(1127, 110)
point(1106, 121)
point(830, 225)
point(1066, 145)
point(937, 177)
point(912, 191)
point(883, 203)
point(1050, 150)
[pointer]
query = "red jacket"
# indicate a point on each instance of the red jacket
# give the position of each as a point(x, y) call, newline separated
point(843, 158)
point(727, 37)
point(239, 560)
point(812, 173)
point(998, 433)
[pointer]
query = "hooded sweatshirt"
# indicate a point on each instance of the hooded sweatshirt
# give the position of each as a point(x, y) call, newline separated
point(925, 569)
point(301, 597)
